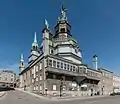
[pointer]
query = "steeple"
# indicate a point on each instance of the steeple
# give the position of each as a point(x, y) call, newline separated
point(34, 50)
point(21, 58)
point(35, 40)
point(21, 67)
point(35, 44)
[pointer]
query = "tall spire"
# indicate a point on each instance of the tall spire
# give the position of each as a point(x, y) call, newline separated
point(21, 58)
point(35, 39)
point(21, 66)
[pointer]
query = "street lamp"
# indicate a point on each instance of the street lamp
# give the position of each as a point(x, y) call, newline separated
point(61, 86)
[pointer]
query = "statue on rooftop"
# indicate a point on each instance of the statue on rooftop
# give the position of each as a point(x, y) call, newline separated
point(46, 24)
point(63, 12)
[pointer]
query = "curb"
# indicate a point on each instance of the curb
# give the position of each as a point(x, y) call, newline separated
point(3, 94)
point(60, 99)
point(42, 97)
point(76, 98)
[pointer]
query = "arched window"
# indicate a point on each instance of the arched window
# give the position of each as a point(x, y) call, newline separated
point(62, 30)
point(33, 47)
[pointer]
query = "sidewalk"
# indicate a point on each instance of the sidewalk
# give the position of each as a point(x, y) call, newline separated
point(80, 97)
point(2, 94)
point(62, 98)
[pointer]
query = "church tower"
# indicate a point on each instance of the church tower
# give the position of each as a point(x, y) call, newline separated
point(47, 40)
point(63, 28)
point(34, 50)
point(65, 45)
point(21, 66)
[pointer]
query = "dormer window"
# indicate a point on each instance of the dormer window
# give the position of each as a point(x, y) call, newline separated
point(62, 30)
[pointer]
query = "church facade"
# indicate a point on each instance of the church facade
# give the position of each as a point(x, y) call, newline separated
point(56, 68)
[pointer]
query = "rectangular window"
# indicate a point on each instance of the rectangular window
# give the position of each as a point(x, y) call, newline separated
point(71, 68)
point(37, 87)
point(58, 64)
point(26, 75)
point(74, 68)
point(37, 68)
point(46, 62)
point(11, 79)
point(32, 80)
point(68, 67)
point(40, 66)
point(82, 70)
point(32, 75)
point(54, 63)
point(5, 79)
point(40, 87)
point(34, 88)
point(65, 66)
point(34, 72)
point(50, 63)
point(40, 77)
point(61, 65)
point(54, 88)
point(36, 78)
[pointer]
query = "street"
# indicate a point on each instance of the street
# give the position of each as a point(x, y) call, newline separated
point(18, 97)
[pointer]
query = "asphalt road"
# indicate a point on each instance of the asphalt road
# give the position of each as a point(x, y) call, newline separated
point(18, 97)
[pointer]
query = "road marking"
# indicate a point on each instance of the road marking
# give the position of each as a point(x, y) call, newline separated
point(91, 102)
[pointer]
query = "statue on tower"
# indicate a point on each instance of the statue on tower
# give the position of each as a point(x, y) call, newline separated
point(63, 12)
point(46, 24)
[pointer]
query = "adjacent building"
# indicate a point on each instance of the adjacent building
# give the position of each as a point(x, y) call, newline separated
point(7, 78)
point(116, 83)
point(17, 82)
point(56, 67)
point(106, 81)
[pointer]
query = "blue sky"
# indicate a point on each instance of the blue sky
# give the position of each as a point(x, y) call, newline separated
point(95, 24)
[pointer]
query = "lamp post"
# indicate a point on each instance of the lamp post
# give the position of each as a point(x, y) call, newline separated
point(95, 61)
point(61, 86)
